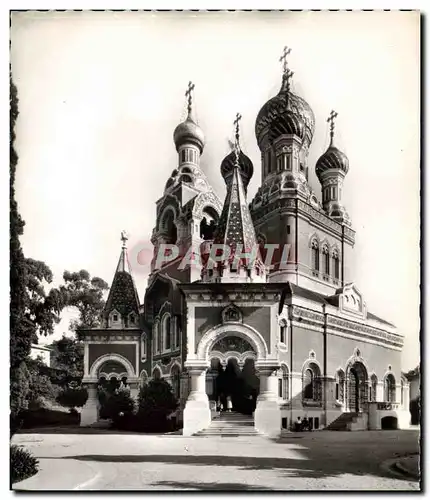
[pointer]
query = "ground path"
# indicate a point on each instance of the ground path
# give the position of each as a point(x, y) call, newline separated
point(301, 461)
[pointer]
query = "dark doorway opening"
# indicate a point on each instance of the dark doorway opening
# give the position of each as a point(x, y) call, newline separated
point(389, 423)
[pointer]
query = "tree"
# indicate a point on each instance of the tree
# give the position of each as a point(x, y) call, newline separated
point(68, 356)
point(86, 294)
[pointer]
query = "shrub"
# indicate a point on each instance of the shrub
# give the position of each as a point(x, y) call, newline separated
point(22, 464)
point(73, 397)
point(156, 404)
point(118, 406)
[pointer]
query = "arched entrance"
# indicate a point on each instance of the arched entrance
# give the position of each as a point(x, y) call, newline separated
point(232, 374)
point(357, 393)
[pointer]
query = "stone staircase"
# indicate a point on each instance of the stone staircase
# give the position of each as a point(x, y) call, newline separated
point(343, 422)
point(230, 424)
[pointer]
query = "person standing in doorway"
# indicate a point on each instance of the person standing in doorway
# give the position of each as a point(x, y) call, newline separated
point(229, 404)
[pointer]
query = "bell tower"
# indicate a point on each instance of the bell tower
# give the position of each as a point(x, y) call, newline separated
point(187, 207)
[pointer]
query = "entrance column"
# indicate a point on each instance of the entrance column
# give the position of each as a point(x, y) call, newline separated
point(90, 411)
point(197, 414)
point(268, 413)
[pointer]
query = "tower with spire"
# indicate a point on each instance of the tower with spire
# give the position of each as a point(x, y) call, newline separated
point(189, 208)
point(331, 169)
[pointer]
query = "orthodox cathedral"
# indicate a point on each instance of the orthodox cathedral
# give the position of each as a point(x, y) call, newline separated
point(282, 335)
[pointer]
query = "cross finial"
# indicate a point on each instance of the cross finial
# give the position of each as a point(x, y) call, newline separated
point(283, 58)
point(236, 125)
point(188, 95)
point(124, 238)
point(330, 120)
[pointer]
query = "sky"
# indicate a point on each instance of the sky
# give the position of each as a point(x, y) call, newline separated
point(100, 94)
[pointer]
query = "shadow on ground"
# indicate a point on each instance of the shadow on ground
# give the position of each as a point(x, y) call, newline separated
point(212, 486)
point(308, 467)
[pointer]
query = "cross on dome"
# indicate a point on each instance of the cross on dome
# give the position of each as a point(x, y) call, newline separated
point(330, 120)
point(188, 95)
point(283, 58)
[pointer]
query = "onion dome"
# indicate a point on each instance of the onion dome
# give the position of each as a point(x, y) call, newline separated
point(333, 158)
point(286, 113)
point(246, 168)
point(188, 131)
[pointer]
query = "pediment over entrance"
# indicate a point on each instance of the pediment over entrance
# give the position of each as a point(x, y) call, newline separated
point(233, 343)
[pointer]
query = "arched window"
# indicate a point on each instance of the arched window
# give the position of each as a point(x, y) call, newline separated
point(168, 226)
point(340, 386)
point(166, 332)
point(402, 388)
point(326, 260)
point(315, 255)
point(156, 337)
point(283, 387)
point(156, 374)
point(336, 265)
point(175, 380)
point(312, 383)
point(283, 333)
point(143, 347)
point(373, 387)
point(390, 388)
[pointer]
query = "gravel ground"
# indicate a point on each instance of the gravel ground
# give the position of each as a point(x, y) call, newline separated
point(300, 461)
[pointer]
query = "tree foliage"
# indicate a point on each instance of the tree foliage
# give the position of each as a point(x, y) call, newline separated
point(156, 403)
point(68, 356)
point(86, 294)
point(73, 397)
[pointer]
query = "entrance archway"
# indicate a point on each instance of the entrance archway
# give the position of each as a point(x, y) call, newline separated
point(357, 393)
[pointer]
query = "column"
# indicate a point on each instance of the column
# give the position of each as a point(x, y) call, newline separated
point(90, 413)
point(197, 415)
point(268, 413)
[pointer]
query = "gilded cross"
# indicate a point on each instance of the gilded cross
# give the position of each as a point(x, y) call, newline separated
point(283, 58)
point(188, 94)
point(330, 120)
point(124, 238)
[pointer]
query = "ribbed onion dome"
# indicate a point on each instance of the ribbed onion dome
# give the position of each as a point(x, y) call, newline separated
point(189, 132)
point(286, 113)
point(332, 159)
point(245, 165)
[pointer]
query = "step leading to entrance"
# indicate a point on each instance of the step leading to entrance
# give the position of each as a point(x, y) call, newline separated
point(230, 424)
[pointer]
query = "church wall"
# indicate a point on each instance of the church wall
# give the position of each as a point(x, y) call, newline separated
point(126, 350)
point(348, 263)
point(377, 358)
point(303, 341)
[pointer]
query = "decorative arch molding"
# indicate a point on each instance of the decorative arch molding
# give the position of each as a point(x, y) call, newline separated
point(157, 367)
point(109, 376)
point(112, 357)
point(143, 375)
point(161, 221)
point(206, 200)
point(164, 309)
point(314, 238)
point(177, 365)
point(356, 358)
point(311, 361)
point(224, 357)
point(233, 328)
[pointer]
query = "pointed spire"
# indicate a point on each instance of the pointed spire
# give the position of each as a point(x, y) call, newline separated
point(123, 297)
point(330, 120)
point(235, 228)
point(122, 263)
